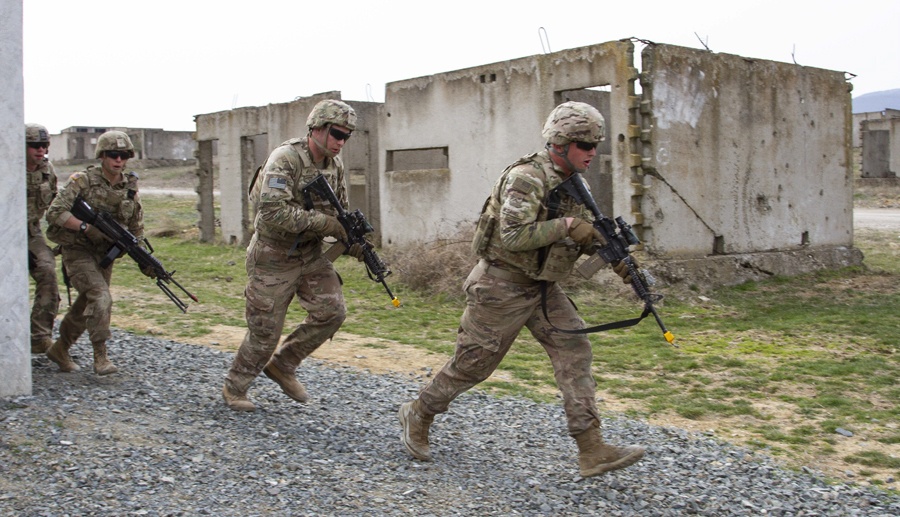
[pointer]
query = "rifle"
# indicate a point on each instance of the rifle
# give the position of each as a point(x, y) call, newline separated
point(124, 242)
point(356, 226)
point(619, 237)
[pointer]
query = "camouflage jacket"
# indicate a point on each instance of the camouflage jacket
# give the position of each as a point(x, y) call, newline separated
point(518, 204)
point(277, 192)
point(120, 200)
point(41, 184)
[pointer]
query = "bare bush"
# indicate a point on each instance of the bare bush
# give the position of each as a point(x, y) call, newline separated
point(436, 268)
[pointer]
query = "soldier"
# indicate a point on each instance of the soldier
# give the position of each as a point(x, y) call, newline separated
point(284, 257)
point(41, 185)
point(108, 188)
point(503, 291)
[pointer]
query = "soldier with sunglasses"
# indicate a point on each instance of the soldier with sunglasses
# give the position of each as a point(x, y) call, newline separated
point(524, 252)
point(107, 188)
point(284, 257)
point(41, 189)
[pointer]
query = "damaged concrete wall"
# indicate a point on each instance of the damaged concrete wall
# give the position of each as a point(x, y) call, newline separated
point(445, 138)
point(745, 157)
point(881, 145)
point(243, 139)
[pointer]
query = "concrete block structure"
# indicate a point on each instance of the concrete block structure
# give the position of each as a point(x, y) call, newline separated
point(15, 330)
point(880, 137)
point(77, 143)
point(728, 168)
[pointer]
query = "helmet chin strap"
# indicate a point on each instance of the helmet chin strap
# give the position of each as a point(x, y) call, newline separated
point(565, 157)
point(320, 145)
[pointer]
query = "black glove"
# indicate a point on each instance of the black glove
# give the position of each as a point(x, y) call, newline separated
point(621, 269)
point(328, 226)
point(356, 251)
point(584, 232)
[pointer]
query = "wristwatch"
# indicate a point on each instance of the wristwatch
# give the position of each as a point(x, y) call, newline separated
point(83, 227)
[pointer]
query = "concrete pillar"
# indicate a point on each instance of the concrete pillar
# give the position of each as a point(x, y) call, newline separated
point(15, 345)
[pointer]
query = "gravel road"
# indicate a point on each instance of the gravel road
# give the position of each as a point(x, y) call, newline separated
point(155, 439)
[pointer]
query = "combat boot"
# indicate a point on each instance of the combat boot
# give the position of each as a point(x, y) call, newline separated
point(236, 400)
point(288, 382)
point(59, 354)
point(415, 430)
point(596, 457)
point(102, 365)
point(41, 345)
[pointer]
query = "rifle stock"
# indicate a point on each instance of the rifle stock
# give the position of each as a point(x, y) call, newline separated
point(357, 227)
point(619, 238)
point(124, 242)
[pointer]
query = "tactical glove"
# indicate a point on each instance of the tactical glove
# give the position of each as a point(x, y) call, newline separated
point(584, 232)
point(149, 271)
point(328, 226)
point(356, 251)
point(621, 269)
point(96, 236)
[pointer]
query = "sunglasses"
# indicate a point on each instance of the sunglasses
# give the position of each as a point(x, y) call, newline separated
point(39, 145)
point(118, 155)
point(586, 146)
point(338, 134)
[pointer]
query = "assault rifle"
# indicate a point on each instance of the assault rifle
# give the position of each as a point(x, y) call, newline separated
point(124, 242)
point(357, 227)
point(619, 237)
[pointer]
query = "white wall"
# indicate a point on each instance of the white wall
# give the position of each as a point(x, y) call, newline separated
point(15, 344)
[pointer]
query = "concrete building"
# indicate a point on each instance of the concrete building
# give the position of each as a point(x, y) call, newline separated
point(15, 340)
point(77, 143)
point(880, 135)
point(729, 168)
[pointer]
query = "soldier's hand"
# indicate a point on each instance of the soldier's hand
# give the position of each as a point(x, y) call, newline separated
point(621, 269)
point(328, 226)
point(96, 236)
point(584, 232)
point(356, 251)
point(149, 271)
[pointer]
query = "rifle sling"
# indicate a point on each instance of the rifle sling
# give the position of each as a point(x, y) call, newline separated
point(596, 328)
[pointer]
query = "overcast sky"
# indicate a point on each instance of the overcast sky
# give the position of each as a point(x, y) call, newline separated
point(157, 63)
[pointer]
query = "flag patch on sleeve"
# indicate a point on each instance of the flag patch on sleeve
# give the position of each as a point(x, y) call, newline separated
point(279, 183)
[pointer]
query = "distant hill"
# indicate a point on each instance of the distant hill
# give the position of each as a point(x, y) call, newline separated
point(877, 101)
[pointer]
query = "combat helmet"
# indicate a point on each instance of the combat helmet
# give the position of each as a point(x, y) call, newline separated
point(36, 133)
point(114, 141)
point(331, 111)
point(574, 122)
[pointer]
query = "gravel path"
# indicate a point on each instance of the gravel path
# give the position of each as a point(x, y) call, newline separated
point(155, 439)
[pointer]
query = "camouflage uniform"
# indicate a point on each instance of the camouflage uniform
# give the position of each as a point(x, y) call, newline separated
point(81, 257)
point(276, 273)
point(528, 240)
point(503, 295)
point(42, 189)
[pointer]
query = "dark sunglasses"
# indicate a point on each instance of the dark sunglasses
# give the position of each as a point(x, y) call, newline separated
point(586, 146)
point(118, 155)
point(338, 134)
point(39, 145)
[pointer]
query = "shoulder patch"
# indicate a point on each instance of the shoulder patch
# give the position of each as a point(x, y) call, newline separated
point(520, 185)
point(279, 183)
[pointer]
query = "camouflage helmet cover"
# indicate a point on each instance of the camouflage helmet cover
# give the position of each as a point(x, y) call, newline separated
point(36, 133)
point(331, 111)
point(574, 122)
point(114, 141)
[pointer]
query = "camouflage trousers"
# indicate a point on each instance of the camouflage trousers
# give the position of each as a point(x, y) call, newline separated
point(496, 311)
point(273, 280)
point(42, 268)
point(92, 308)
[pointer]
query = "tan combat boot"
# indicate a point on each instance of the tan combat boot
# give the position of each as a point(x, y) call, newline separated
point(102, 365)
point(59, 354)
point(235, 399)
point(415, 430)
point(288, 382)
point(41, 346)
point(596, 457)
